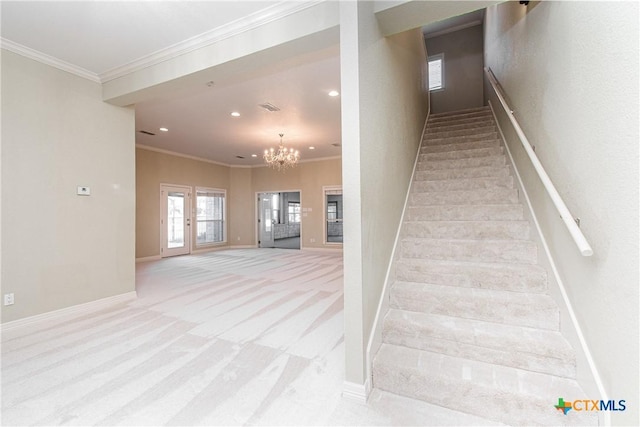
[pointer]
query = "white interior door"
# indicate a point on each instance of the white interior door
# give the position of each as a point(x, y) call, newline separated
point(265, 220)
point(175, 224)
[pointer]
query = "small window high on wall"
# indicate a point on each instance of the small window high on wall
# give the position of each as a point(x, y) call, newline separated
point(436, 72)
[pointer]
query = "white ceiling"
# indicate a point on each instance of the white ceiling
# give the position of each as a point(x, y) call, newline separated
point(100, 37)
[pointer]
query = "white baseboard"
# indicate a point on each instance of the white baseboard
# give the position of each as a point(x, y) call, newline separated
point(148, 258)
point(375, 338)
point(587, 374)
point(243, 246)
point(209, 249)
point(74, 310)
point(329, 249)
point(357, 392)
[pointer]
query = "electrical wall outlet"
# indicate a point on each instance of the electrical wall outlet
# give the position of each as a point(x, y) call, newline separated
point(312, 240)
point(8, 299)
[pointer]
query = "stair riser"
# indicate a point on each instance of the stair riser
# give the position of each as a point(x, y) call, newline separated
point(481, 109)
point(463, 184)
point(472, 197)
point(467, 230)
point(445, 174)
point(472, 276)
point(463, 154)
point(519, 313)
point(465, 212)
point(489, 349)
point(474, 162)
point(481, 251)
point(460, 139)
point(491, 143)
point(441, 118)
point(461, 132)
point(462, 125)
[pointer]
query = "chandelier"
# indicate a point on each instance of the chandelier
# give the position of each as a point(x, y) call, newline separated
point(283, 158)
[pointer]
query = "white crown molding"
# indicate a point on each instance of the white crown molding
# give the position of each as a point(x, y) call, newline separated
point(186, 156)
point(453, 29)
point(215, 35)
point(48, 60)
point(202, 159)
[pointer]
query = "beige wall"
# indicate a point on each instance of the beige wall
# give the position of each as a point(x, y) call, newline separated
point(60, 249)
point(308, 178)
point(463, 64)
point(242, 184)
point(571, 72)
point(380, 142)
point(243, 218)
point(154, 168)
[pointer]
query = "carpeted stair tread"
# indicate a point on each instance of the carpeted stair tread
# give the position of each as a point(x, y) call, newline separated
point(532, 349)
point(473, 274)
point(447, 133)
point(508, 395)
point(486, 182)
point(496, 195)
point(470, 172)
point(460, 125)
point(462, 154)
point(505, 250)
point(465, 212)
point(471, 145)
point(479, 230)
point(459, 139)
point(491, 305)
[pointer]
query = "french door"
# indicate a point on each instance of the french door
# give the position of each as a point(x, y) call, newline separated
point(175, 222)
point(266, 219)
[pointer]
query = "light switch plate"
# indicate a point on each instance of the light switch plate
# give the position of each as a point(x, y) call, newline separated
point(84, 191)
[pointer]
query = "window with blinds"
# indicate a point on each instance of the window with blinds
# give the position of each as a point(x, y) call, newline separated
point(210, 216)
point(436, 72)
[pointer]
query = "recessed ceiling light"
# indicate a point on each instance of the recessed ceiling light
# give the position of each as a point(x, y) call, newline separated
point(210, 83)
point(254, 155)
point(164, 129)
point(334, 93)
point(312, 148)
point(235, 114)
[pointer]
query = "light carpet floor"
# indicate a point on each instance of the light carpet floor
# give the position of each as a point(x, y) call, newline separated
point(234, 337)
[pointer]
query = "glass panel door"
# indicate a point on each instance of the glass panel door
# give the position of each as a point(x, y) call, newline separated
point(176, 220)
point(266, 218)
point(333, 215)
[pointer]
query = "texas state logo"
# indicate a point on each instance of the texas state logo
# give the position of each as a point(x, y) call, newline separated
point(590, 405)
point(563, 406)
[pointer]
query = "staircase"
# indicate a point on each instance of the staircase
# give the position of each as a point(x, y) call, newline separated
point(470, 326)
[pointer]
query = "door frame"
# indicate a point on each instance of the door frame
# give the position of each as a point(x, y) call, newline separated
point(325, 189)
point(188, 217)
point(256, 210)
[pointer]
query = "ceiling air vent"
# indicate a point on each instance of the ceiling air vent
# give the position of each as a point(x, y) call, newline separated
point(337, 144)
point(239, 157)
point(269, 107)
point(147, 132)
